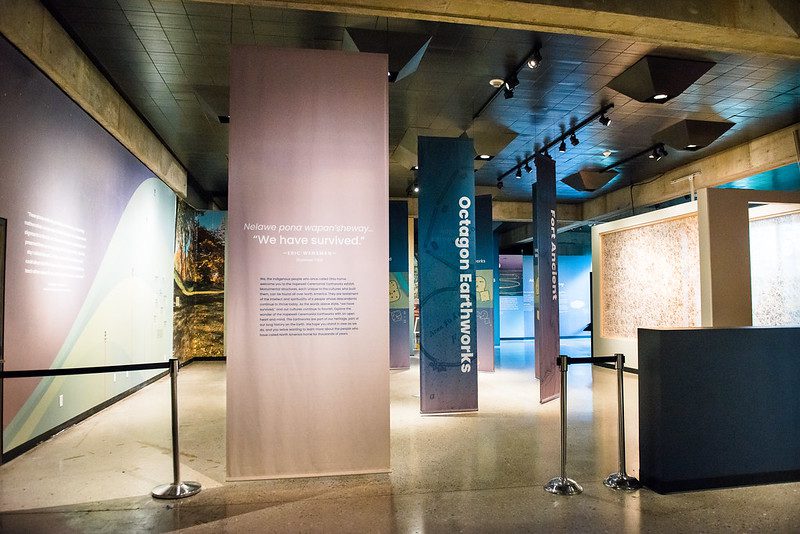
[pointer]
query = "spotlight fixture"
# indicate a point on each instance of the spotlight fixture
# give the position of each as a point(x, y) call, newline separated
point(414, 168)
point(416, 187)
point(573, 139)
point(604, 120)
point(519, 174)
point(528, 167)
point(500, 185)
point(534, 60)
point(607, 153)
point(562, 147)
point(545, 153)
point(510, 84)
point(658, 152)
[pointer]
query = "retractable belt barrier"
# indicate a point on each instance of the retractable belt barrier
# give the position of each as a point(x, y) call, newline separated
point(563, 485)
point(175, 490)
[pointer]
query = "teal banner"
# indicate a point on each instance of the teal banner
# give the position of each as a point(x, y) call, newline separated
point(448, 311)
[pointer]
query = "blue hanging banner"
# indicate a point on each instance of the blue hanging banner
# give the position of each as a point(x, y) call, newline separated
point(484, 281)
point(448, 362)
point(399, 327)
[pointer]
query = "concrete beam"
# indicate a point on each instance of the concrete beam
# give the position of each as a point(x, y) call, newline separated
point(32, 29)
point(512, 211)
point(763, 154)
point(753, 26)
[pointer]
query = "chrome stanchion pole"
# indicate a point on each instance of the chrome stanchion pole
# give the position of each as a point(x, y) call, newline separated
point(561, 485)
point(178, 489)
point(620, 480)
point(2, 407)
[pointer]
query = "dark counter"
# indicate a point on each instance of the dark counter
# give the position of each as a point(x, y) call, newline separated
point(718, 407)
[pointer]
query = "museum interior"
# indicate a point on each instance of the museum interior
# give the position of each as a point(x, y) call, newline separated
point(590, 214)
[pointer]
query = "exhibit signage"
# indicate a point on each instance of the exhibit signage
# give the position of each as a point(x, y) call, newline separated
point(448, 364)
point(546, 331)
point(484, 281)
point(399, 327)
point(305, 298)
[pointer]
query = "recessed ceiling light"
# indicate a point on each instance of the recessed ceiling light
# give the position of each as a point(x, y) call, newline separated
point(496, 83)
point(691, 146)
point(660, 96)
point(484, 156)
point(416, 188)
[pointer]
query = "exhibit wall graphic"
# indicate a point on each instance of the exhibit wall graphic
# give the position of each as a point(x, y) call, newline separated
point(199, 283)
point(484, 281)
point(307, 329)
point(511, 301)
point(647, 274)
point(90, 236)
point(448, 364)
point(650, 277)
point(546, 300)
point(775, 269)
point(399, 327)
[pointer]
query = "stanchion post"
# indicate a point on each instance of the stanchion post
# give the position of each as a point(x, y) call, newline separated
point(2, 407)
point(561, 485)
point(620, 480)
point(178, 489)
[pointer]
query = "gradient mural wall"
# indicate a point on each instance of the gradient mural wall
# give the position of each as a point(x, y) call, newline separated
point(90, 237)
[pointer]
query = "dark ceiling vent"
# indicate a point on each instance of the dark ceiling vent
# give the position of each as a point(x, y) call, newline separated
point(405, 50)
point(659, 79)
point(587, 180)
point(691, 134)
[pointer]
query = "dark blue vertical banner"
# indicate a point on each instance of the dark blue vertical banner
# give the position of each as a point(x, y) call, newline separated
point(484, 281)
point(448, 362)
point(399, 328)
point(546, 269)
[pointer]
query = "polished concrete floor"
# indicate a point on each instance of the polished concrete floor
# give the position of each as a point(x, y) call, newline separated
point(480, 472)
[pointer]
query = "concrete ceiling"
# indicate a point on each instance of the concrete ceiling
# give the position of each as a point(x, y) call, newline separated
point(170, 60)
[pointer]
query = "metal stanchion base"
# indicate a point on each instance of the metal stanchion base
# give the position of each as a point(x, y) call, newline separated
point(176, 491)
point(563, 486)
point(621, 481)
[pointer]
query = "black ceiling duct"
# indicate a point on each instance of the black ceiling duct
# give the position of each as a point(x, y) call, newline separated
point(691, 134)
point(659, 79)
point(587, 180)
point(405, 50)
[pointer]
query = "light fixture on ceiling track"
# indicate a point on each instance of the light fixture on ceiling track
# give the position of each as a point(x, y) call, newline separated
point(559, 141)
point(604, 120)
point(519, 174)
point(528, 167)
point(535, 59)
point(505, 86)
point(508, 87)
